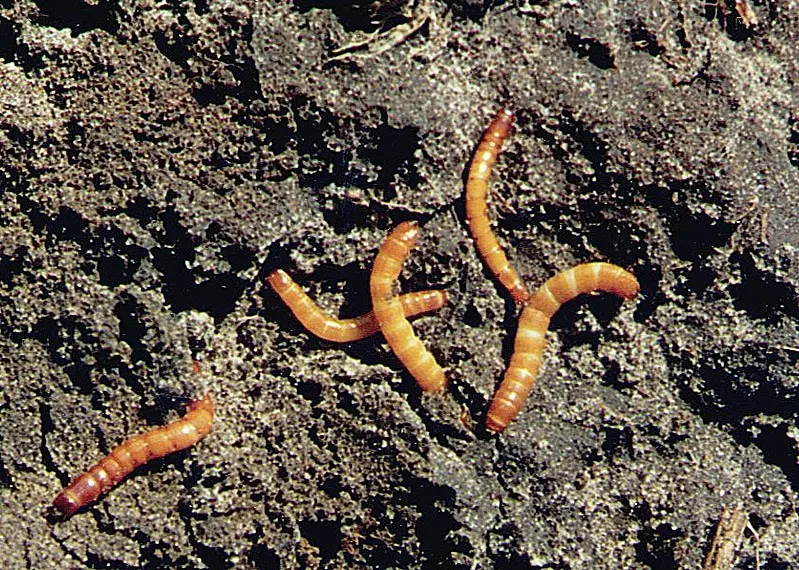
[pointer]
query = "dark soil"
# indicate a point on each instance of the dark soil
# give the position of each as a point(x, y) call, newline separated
point(158, 159)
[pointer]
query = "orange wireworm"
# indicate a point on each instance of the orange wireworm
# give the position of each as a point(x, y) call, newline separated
point(477, 210)
point(390, 314)
point(345, 330)
point(533, 322)
point(134, 452)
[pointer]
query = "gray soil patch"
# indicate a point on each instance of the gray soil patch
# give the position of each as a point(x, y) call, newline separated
point(159, 159)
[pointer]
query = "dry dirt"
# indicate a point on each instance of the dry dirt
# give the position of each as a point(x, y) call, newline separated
point(158, 159)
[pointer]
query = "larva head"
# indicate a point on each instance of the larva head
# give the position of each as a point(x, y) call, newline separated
point(504, 407)
point(406, 233)
point(279, 280)
point(505, 117)
point(495, 424)
point(500, 126)
point(205, 404)
point(625, 285)
point(66, 503)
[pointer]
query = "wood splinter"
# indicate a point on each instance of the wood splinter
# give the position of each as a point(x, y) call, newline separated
point(726, 539)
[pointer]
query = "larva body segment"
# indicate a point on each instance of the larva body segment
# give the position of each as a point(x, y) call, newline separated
point(332, 329)
point(520, 375)
point(533, 323)
point(583, 278)
point(477, 211)
point(389, 312)
point(129, 455)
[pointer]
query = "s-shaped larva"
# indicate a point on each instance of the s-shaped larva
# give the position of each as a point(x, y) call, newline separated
point(533, 322)
point(389, 312)
point(345, 330)
point(129, 455)
point(477, 211)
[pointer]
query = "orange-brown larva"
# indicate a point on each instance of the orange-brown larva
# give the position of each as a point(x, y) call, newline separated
point(345, 330)
point(390, 314)
point(533, 322)
point(129, 455)
point(477, 211)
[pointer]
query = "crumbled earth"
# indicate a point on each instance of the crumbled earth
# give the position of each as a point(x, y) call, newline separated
point(159, 159)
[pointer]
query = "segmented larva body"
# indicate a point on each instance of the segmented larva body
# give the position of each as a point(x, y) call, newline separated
point(345, 330)
point(390, 314)
point(533, 322)
point(477, 210)
point(126, 457)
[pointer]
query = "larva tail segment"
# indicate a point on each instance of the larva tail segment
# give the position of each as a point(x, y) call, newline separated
point(389, 312)
point(477, 211)
point(129, 455)
point(529, 344)
point(332, 329)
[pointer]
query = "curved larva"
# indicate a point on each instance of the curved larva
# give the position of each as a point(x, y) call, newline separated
point(533, 322)
point(477, 211)
point(332, 329)
point(390, 314)
point(129, 455)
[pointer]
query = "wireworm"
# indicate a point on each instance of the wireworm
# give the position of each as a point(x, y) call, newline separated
point(477, 211)
point(533, 322)
point(390, 314)
point(138, 450)
point(332, 329)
